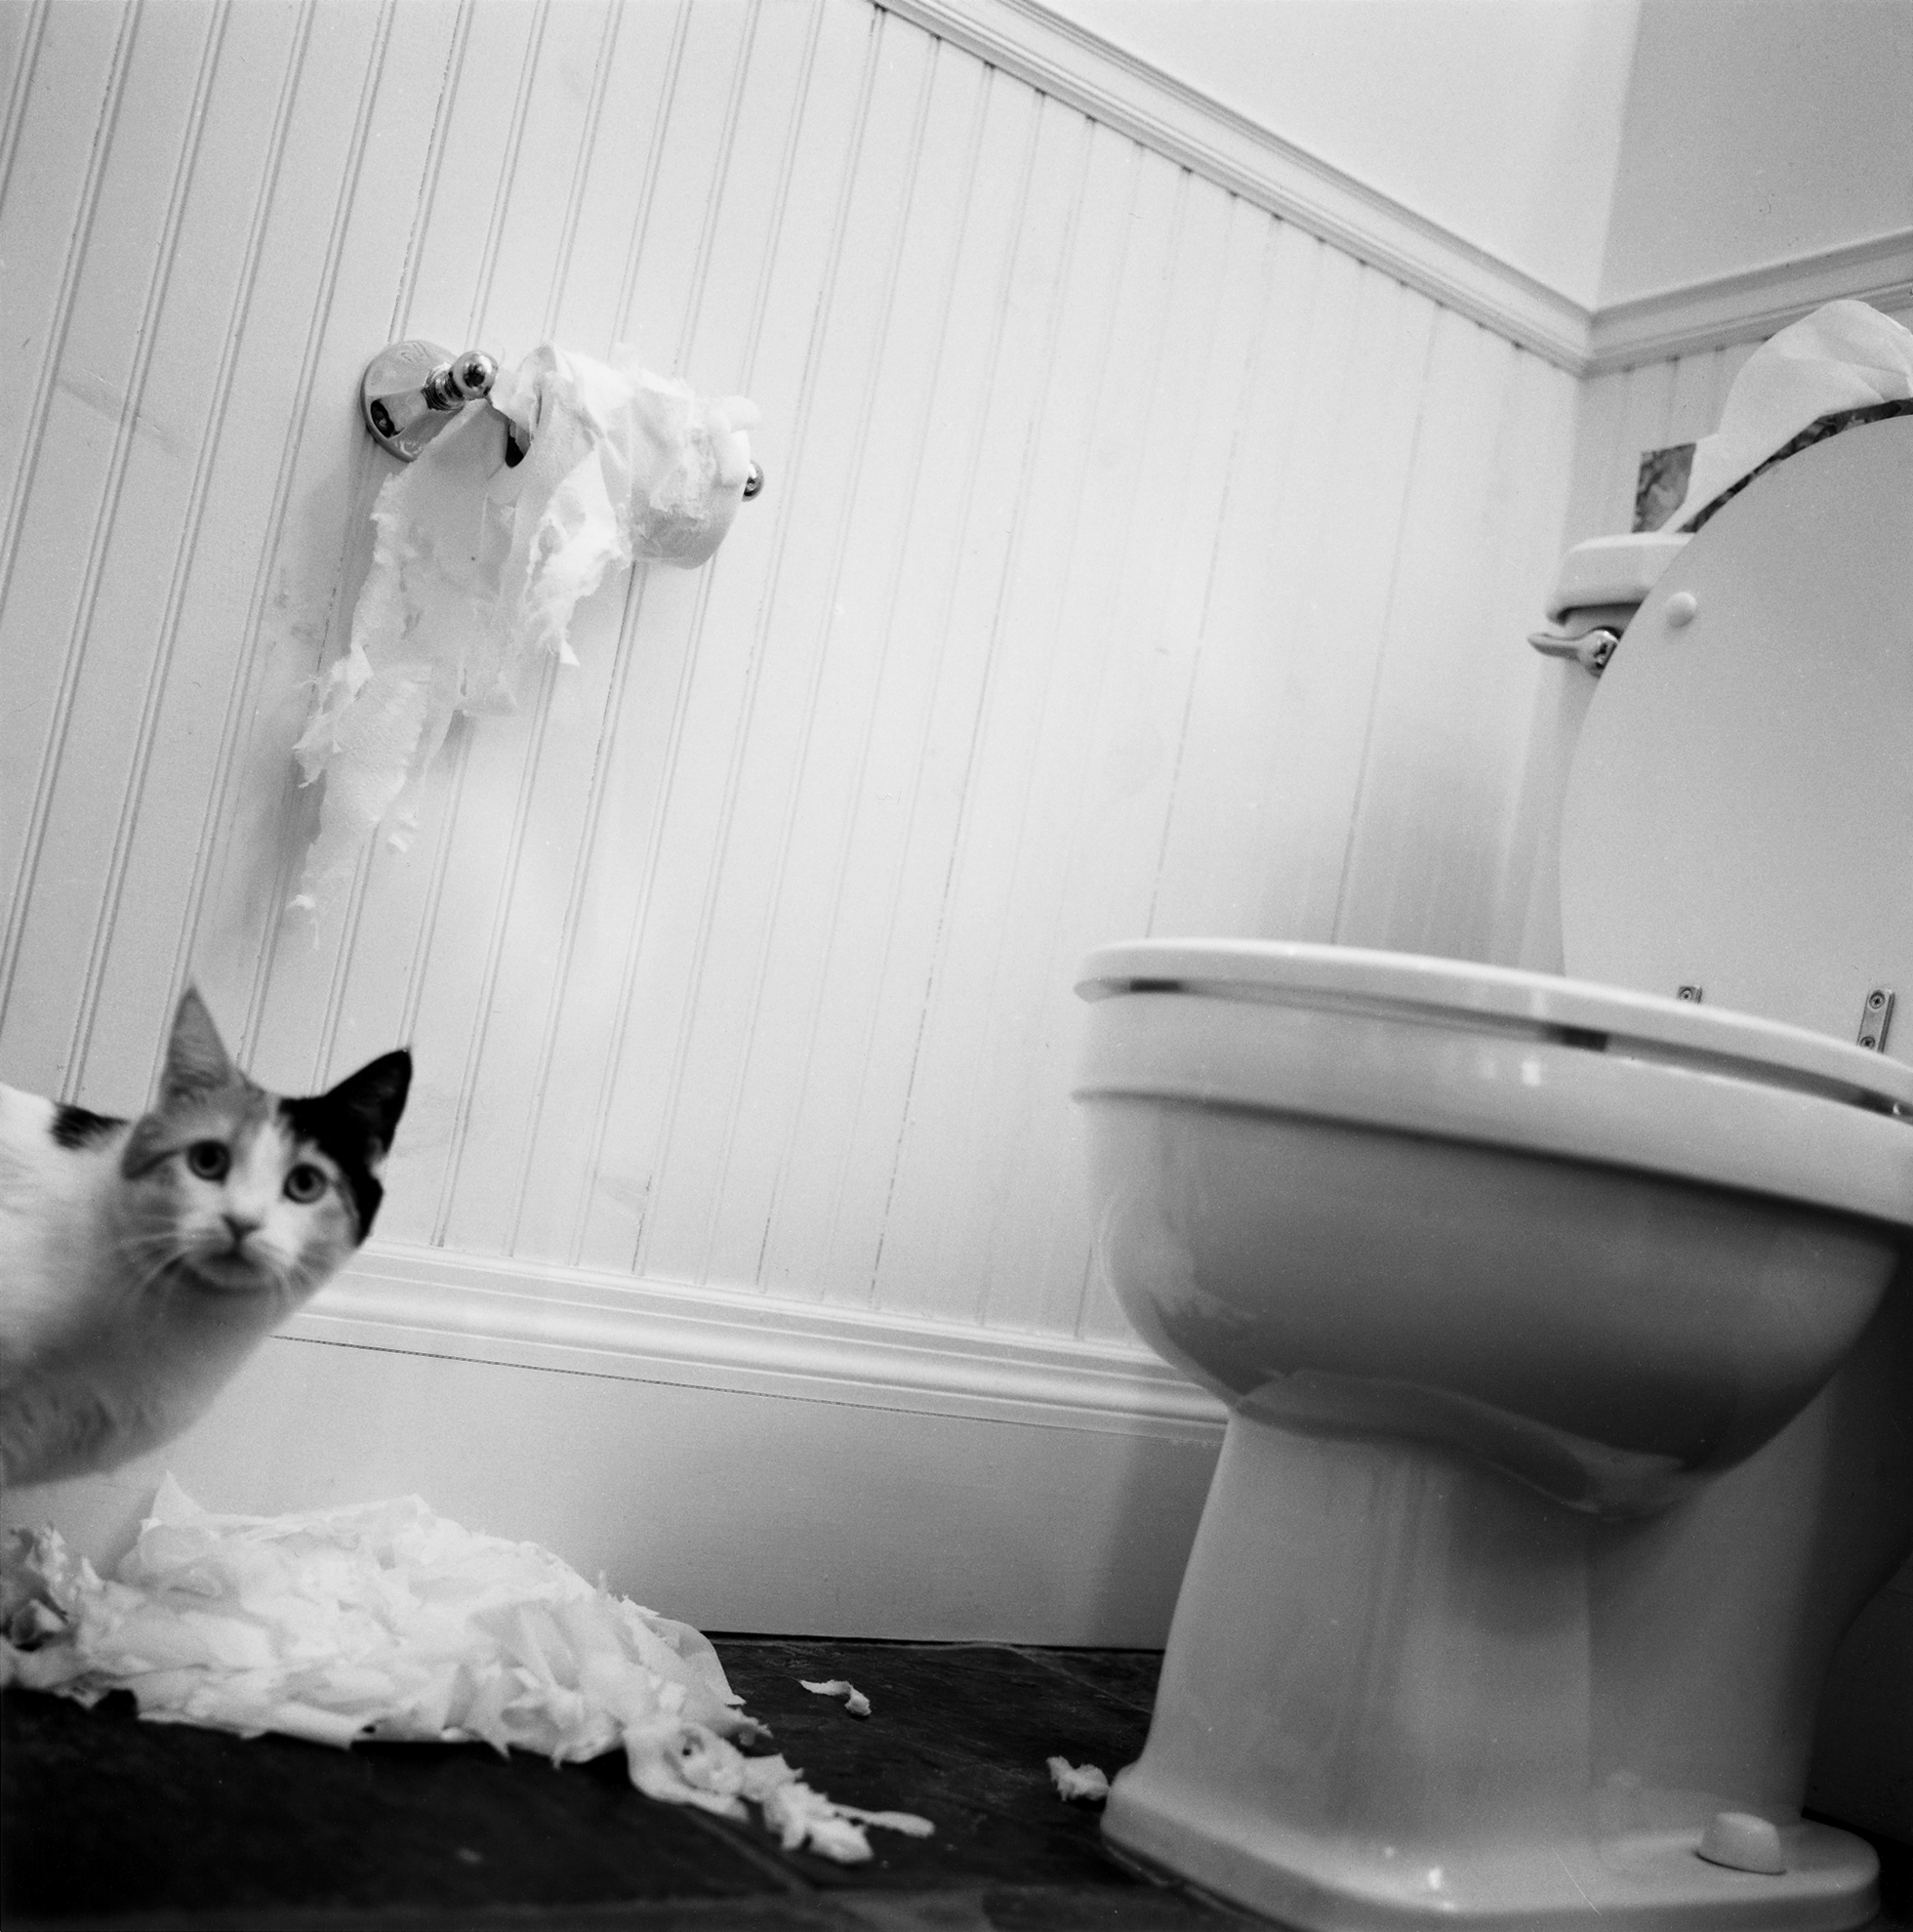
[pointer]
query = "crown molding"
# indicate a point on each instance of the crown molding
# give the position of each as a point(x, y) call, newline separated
point(1750, 305)
point(424, 1301)
point(1121, 90)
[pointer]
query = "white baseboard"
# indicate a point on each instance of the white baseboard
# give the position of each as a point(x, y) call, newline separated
point(422, 1301)
point(745, 1464)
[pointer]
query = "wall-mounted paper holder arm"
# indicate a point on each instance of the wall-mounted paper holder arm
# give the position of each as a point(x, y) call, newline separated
point(413, 389)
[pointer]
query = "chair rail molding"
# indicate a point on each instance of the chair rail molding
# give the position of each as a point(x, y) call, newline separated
point(1040, 45)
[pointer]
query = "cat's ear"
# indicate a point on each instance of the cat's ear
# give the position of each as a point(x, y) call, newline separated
point(371, 1101)
point(197, 1059)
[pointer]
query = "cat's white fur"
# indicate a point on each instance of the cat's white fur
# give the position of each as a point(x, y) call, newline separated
point(133, 1285)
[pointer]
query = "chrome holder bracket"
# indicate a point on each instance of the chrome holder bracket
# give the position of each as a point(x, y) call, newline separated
point(411, 390)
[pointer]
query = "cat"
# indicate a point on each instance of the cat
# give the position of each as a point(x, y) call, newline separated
point(141, 1261)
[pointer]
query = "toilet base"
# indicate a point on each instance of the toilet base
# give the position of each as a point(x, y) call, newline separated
point(1647, 1882)
point(1403, 1688)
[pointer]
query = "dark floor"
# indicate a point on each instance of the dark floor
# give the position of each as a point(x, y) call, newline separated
point(109, 1822)
point(105, 1822)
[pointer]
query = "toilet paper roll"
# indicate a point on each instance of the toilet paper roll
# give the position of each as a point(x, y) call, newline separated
point(479, 564)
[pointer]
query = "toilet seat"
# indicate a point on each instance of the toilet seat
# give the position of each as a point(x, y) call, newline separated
point(1502, 1058)
point(1737, 808)
point(1462, 993)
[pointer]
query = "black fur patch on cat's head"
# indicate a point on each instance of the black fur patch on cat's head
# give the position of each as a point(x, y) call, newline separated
point(75, 1129)
point(354, 1123)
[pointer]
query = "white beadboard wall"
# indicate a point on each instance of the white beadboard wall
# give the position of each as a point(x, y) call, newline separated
point(1131, 560)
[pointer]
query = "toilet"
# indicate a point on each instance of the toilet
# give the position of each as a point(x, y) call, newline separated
point(1571, 1383)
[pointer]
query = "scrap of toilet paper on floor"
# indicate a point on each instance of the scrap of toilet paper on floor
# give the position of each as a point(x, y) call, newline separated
point(854, 1701)
point(1078, 1780)
point(1845, 356)
point(385, 1621)
point(478, 566)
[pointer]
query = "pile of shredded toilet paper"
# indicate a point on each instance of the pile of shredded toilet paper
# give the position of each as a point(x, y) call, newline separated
point(479, 564)
point(385, 1621)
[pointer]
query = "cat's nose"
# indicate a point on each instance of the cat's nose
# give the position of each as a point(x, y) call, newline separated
point(240, 1226)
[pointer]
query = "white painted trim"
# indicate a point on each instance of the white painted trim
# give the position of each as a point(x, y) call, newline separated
point(1751, 306)
point(1123, 90)
point(422, 1301)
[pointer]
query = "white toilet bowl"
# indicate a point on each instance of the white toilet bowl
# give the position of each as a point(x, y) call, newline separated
point(1569, 1380)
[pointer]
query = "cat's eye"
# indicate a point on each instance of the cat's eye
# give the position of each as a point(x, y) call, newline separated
point(304, 1184)
point(208, 1159)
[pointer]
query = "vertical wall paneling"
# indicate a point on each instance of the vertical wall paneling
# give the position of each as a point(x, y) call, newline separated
point(95, 437)
point(1451, 696)
point(741, 804)
point(1131, 562)
point(294, 481)
point(64, 95)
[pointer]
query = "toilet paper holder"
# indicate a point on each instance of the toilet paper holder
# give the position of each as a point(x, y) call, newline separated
point(411, 390)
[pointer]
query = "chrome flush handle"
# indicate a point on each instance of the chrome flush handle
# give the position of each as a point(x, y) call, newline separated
point(1591, 651)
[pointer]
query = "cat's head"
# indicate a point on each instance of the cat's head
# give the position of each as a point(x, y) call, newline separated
point(249, 1190)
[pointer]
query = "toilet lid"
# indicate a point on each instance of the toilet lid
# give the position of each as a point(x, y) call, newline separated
point(1739, 810)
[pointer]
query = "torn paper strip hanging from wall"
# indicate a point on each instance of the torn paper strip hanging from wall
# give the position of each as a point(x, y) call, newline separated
point(385, 1621)
point(478, 566)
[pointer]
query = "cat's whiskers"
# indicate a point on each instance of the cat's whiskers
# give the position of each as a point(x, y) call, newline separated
point(154, 1251)
point(145, 1274)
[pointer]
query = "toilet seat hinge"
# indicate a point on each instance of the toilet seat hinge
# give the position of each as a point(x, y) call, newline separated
point(1875, 1017)
point(1689, 993)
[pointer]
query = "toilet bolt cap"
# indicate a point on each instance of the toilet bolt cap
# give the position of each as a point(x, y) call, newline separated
point(1742, 1841)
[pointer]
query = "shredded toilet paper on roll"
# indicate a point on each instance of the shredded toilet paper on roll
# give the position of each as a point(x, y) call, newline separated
point(385, 1621)
point(478, 566)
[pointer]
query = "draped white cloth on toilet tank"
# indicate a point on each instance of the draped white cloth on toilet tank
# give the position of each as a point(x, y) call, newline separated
point(1845, 355)
point(479, 564)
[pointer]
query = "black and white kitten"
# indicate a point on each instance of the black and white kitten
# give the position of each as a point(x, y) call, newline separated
point(141, 1261)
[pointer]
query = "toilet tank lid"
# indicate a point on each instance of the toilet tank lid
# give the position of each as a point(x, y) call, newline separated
point(1611, 570)
point(1416, 985)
